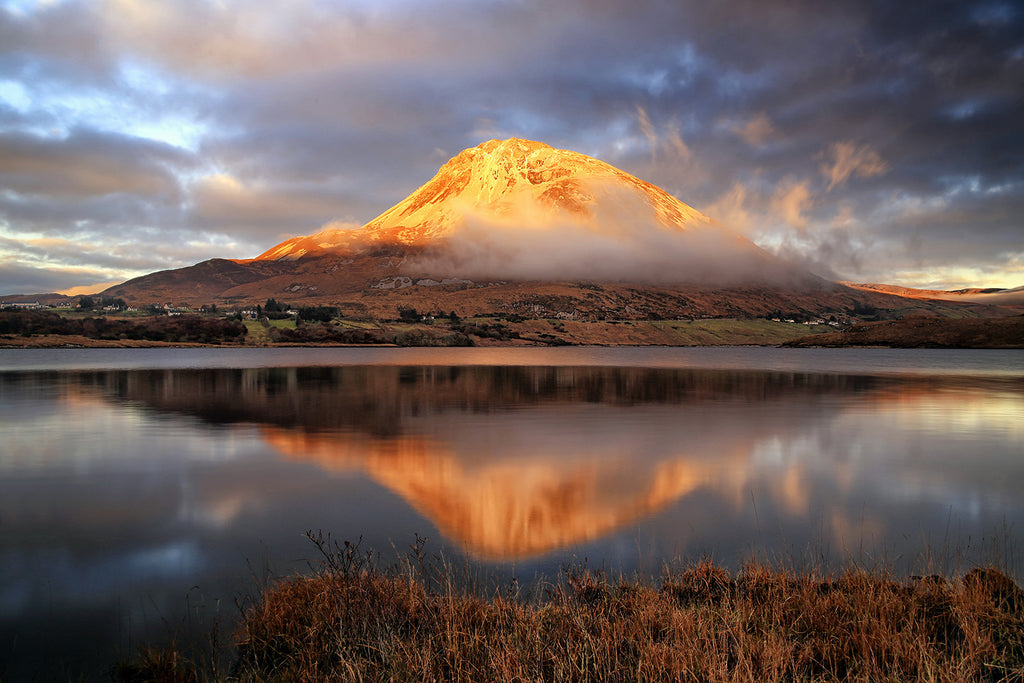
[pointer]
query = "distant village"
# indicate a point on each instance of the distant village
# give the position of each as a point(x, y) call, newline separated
point(272, 309)
point(110, 305)
point(106, 306)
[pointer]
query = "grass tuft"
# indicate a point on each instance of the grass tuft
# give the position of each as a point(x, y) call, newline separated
point(352, 621)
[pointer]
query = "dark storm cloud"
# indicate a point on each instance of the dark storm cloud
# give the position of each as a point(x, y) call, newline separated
point(17, 278)
point(875, 140)
point(927, 89)
point(104, 255)
point(86, 163)
point(222, 204)
point(57, 41)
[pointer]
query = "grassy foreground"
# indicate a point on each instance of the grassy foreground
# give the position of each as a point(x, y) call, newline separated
point(353, 622)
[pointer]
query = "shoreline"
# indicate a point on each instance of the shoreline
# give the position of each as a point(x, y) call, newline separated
point(48, 331)
point(60, 342)
point(144, 344)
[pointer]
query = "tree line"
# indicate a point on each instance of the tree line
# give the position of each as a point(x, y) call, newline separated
point(177, 329)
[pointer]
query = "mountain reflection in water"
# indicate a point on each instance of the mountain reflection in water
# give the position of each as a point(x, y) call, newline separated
point(515, 462)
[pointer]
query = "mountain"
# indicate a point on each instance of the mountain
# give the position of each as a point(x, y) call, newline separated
point(522, 210)
point(518, 227)
point(502, 180)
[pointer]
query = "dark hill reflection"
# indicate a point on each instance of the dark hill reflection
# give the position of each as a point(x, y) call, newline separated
point(382, 399)
point(512, 462)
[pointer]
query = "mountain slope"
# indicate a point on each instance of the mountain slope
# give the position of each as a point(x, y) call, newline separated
point(926, 332)
point(994, 296)
point(521, 210)
point(204, 282)
point(521, 180)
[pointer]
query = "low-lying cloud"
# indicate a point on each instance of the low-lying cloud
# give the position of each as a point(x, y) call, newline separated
point(621, 240)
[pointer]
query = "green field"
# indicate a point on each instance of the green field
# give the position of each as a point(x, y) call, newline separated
point(258, 331)
point(734, 332)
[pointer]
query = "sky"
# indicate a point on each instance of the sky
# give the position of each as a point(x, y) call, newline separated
point(871, 141)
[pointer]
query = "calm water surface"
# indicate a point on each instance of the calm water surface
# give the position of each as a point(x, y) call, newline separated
point(143, 492)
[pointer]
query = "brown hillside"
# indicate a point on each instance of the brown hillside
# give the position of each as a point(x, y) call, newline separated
point(1012, 298)
point(927, 332)
point(375, 285)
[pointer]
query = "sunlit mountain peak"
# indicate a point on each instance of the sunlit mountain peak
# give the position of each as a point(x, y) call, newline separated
point(522, 182)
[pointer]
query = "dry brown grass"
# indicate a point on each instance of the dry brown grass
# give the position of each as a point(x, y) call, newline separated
point(353, 622)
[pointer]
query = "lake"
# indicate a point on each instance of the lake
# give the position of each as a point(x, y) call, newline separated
point(145, 492)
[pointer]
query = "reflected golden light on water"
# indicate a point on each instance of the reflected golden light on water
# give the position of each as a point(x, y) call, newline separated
point(509, 483)
point(952, 410)
point(964, 413)
point(508, 507)
point(793, 491)
point(850, 535)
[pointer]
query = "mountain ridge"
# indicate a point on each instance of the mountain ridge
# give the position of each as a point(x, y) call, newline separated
point(517, 227)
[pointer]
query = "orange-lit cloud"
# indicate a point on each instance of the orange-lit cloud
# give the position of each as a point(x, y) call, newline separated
point(88, 289)
point(647, 129)
point(757, 130)
point(732, 209)
point(791, 201)
point(845, 159)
